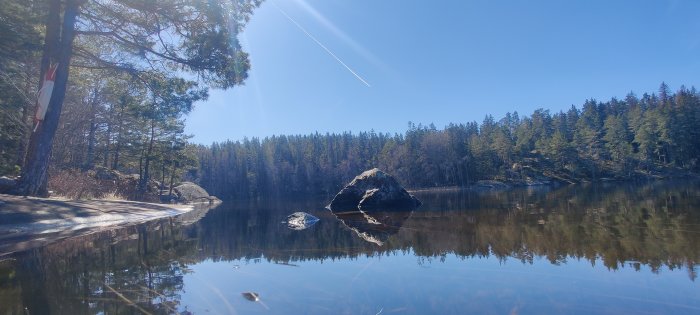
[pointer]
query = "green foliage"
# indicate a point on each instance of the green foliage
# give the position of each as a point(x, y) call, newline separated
point(200, 37)
point(617, 140)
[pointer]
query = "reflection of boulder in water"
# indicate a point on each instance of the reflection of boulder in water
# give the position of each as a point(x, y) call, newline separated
point(191, 217)
point(373, 190)
point(375, 227)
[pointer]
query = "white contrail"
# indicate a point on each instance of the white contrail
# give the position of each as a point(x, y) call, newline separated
point(319, 43)
point(339, 33)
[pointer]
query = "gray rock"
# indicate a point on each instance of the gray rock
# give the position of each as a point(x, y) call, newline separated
point(491, 184)
point(373, 190)
point(188, 192)
point(537, 181)
point(104, 173)
point(300, 221)
point(251, 296)
point(214, 199)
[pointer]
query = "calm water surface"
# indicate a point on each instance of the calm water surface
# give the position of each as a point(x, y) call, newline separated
point(596, 249)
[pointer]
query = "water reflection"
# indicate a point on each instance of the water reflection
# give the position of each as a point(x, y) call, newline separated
point(300, 221)
point(374, 227)
point(142, 269)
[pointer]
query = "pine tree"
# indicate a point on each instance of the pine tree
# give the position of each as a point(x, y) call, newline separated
point(617, 142)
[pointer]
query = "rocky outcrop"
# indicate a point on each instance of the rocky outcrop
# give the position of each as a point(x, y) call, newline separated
point(128, 185)
point(490, 184)
point(109, 181)
point(187, 192)
point(103, 173)
point(373, 190)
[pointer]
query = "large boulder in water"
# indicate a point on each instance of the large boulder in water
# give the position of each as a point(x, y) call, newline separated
point(373, 190)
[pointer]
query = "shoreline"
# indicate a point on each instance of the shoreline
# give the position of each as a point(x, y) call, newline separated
point(27, 222)
point(495, 185)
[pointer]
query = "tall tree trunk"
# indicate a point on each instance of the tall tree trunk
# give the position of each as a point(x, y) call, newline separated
point(147, 162)
point(108, 139)
point(162, 180)
point(172, 178)
point(143, 152)
point(90, 155)
point(120, 128)
point(50, 53)
point(34, 174)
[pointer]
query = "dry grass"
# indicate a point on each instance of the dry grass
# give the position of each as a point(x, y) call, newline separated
point(113, 196)
point(73, 184)
point(60, 197)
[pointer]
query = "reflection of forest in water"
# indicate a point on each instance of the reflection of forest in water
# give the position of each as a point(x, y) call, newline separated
point(656, 224)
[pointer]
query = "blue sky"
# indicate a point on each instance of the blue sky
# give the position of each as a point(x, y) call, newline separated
point(444, 61)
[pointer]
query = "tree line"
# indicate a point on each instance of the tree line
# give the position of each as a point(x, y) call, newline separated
point(656, 134)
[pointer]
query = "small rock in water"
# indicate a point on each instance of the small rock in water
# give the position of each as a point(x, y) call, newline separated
point(251, 296)
point(300, 221)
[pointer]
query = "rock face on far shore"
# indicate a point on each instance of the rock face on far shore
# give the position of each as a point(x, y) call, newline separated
point(188, 192)
point(373, 190)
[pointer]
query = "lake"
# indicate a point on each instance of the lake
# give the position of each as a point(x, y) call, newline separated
point(611, 248)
